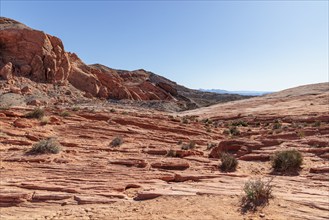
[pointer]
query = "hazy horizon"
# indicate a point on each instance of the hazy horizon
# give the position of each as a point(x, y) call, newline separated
point(235, 46)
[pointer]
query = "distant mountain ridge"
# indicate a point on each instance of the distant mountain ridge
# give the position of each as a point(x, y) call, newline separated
point(246, 93)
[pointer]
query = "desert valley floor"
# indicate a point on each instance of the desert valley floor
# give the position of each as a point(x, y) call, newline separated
point(89, 179)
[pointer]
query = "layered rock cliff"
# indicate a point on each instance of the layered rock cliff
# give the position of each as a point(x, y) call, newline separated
point(25, 52)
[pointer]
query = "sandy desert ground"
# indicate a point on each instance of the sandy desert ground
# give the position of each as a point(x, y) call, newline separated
point(89, 179)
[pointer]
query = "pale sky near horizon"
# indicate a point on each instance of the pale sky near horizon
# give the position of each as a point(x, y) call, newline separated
point(232, 45)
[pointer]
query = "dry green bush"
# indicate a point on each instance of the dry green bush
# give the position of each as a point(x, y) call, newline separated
point(287, 161)
point(171, 153)
point(239, 123)
point(257, 193)
point(35, 113)
point(64, 114)
point(189, 146)
point(46, 146)
point(116, 142)
point(228, 162)
point(44, 120)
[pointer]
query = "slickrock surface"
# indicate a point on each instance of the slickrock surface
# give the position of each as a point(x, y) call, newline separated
point(308, 99)
point(90, 179)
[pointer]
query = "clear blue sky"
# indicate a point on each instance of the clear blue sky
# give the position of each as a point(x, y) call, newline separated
point(234, 45)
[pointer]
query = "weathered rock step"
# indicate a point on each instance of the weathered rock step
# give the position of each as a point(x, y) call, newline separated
point(41, 196)
point(324, 169)
point(255, 157)
point(145, 195)
point(26, 159)
point(85, 199)
point(130, 162)
point(16, 142)
point(171, 165)
point(148, 126)
point(48, 188)
point(12, 197)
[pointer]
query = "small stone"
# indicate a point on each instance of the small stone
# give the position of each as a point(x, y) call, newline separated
point(15, 90)
point(26, 90)
point(68, 92)
point(34, 102)
point(262, 215)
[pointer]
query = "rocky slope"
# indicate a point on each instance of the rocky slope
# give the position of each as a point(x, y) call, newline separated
point(90, 179)
point(40, 57)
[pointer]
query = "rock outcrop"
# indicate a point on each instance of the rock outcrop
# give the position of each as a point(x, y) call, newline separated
point(25, 52)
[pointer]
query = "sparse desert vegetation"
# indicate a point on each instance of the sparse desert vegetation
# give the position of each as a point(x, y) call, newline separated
point(190, 145)
point(116, 142)
point(257, 193)
point(228, 162)
point(46, 146)
point(64, 114)
point(287, 161)
point(37, 113)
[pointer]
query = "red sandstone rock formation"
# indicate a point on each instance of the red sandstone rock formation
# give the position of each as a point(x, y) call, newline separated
point(42, 58)
point(33, 54)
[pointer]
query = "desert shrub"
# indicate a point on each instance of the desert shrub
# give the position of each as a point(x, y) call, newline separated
point(185, 120)
point(277, 125)
point(239, 123)
point(211, 146)
point(46, 146)
point(116, 142)
point(229, 162)
point(179, 142)
point(44, 120)
point(226, 132)
point(189, 146)
point(217, 124)
point(257, 193)
point(301, 134)
point(234, 131)
point(277, 131)
point(75, 109)
point(207, 121)
point(171, 153)
point(35, 113)
point(64, 114)
point(317, 124)
point(287, 161)
point(112, 110)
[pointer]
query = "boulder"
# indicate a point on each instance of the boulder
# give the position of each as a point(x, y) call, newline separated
point(6, 72)
point(22, 123)
point(171, 165)
point(26, 90)
point(234, 146)
point(15, 90)
point(34, 102)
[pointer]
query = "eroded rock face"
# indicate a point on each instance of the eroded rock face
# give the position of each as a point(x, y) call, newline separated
point(42, 58)
point(6, 72)
point(33, 54)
